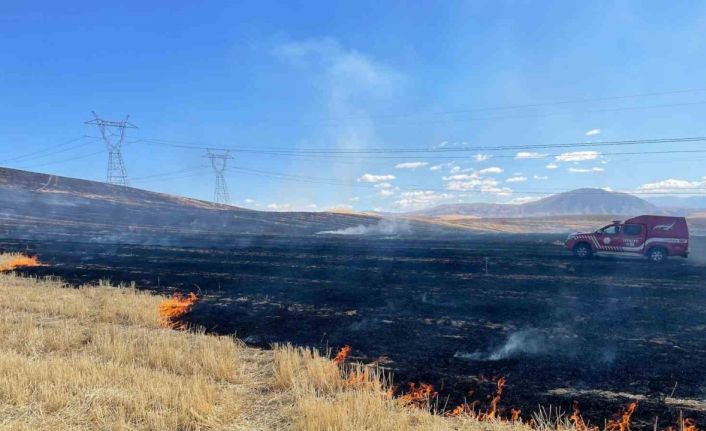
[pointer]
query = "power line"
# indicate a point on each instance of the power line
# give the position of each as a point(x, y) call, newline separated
point(71, 159)
point(338, 120)
point(167, 174)
point(515, 156)
point(409, 187)
point(553, 114)
point(49, 151)
point(380, 150)
point(171, 178)
point(173, 175)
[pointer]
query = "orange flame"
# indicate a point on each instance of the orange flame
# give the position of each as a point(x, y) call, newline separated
point(623, 423)
point(515, 415)
point(357, 378)
point(342, 355)
point(577, 420)
point(458, 410)
point(172, 309)
point(19, 261)
point(492, 413)
point(689, 425)
point(390, 392)
point(465, 409)
point(496, 399)
point(418, 395)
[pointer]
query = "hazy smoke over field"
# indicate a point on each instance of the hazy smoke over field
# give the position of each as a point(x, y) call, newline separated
point(529, 341)
point(383, 227)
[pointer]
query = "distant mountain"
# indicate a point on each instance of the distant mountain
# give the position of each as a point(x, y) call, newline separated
point(576, 202)
point(590, 201)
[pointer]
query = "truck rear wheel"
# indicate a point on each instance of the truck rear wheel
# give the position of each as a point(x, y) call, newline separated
point(657, 254)
point(582, 250)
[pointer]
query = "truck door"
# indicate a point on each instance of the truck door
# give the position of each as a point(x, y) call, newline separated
point(610, 238)
point(633, 237)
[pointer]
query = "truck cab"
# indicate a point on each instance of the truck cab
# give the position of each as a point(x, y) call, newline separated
point(655, 237)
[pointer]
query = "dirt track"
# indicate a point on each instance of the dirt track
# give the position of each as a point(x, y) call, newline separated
point(558, 329)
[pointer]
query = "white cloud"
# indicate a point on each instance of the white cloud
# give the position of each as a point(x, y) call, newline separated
point(673, 185)
point(370, 178)
point(529, 155)
point(386, 192)
point(586, 170)
point(540, 177)
point(411, 165)
point(312, 206)
point(593, 132)
point(474, 182)
point(460, 177)
point(385, 189)
point(481, 157)
point(249, 201)
point(516, 179)
point(524, 200)
point(491, 170)
point(420, 199)
point(354, 199)
point(552, 166)
point(455, 169)
point(577, 156)
point(435, 168)
point(452, 144)
point(278, 207)
point(483, 185)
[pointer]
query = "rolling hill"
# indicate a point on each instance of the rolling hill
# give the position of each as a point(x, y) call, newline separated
point(41, 206)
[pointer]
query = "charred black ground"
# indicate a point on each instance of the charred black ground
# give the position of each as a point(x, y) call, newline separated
point(555, 327)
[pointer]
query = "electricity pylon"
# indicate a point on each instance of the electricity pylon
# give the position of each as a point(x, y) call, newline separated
point(219, 160)
point(113, 133)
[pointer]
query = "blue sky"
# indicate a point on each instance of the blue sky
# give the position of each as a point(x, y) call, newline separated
point(324, 96)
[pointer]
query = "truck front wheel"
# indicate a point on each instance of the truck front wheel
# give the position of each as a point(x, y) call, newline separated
point(582, 250)
point(657, 255)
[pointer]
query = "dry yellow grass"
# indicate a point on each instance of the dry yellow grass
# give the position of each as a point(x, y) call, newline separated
point(325, 397)
point(95, 358)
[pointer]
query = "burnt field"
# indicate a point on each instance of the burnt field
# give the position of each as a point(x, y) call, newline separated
point(603, 331)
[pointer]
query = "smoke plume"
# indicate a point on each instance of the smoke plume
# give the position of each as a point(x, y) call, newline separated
point(383, 227)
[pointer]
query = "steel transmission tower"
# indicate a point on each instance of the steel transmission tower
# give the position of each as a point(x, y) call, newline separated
point(219, 160)
point(113, 133)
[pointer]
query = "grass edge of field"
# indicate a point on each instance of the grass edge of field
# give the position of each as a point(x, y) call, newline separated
point(96, 357)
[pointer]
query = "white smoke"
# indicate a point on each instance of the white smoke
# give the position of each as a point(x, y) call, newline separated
point(383, 227)
point(528, 342)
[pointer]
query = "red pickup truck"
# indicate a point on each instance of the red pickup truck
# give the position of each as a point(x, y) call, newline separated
point(655, 237)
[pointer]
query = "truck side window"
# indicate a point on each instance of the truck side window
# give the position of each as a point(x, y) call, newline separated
point(632, 229)
point(611, 230)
